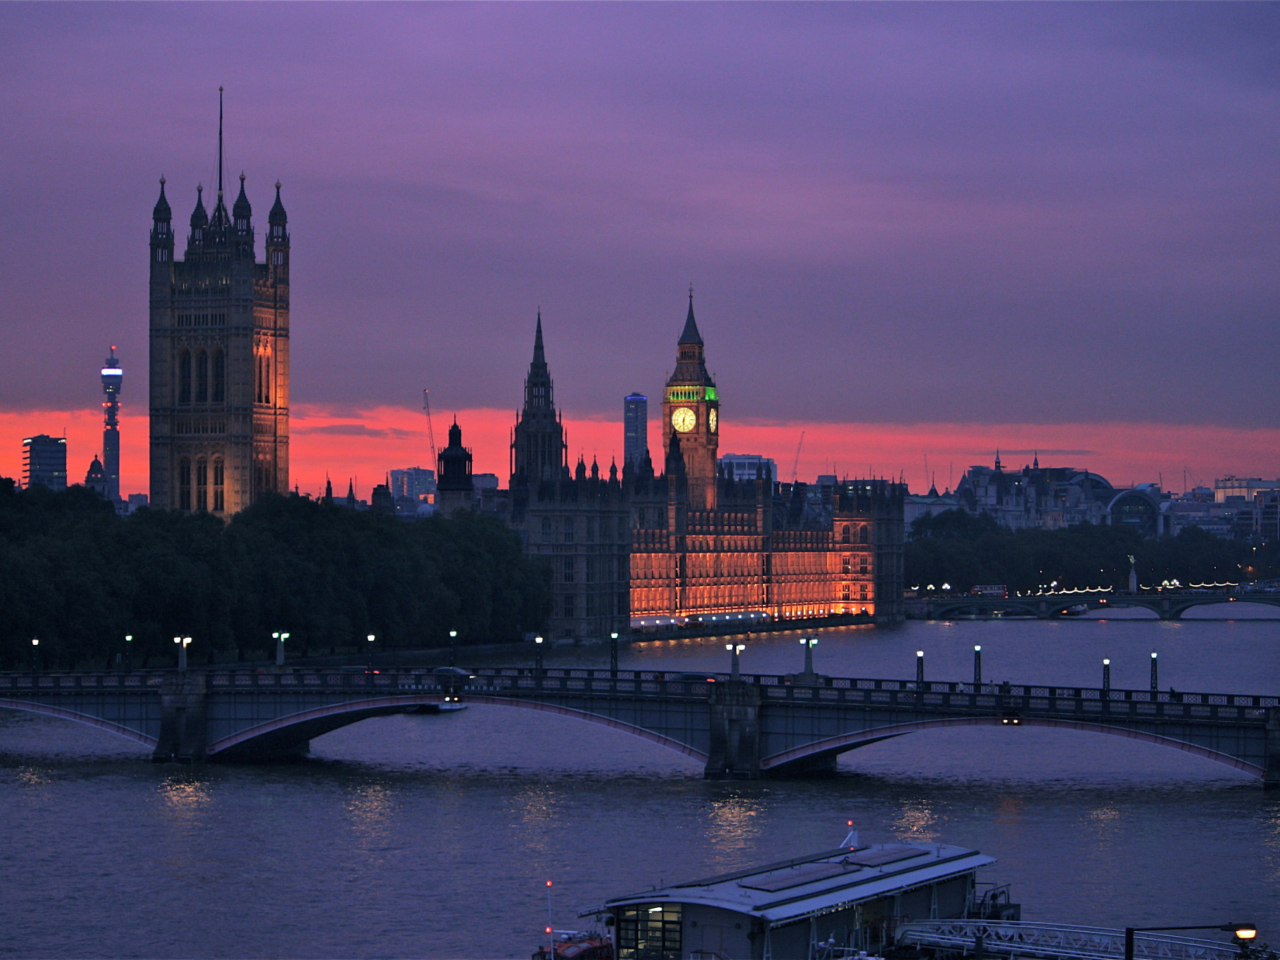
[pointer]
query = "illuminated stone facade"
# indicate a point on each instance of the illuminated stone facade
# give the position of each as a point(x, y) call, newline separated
point(219, 358)
point(704, 544)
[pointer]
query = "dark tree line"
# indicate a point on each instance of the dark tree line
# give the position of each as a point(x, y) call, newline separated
point(79, 578)
point(963, 550)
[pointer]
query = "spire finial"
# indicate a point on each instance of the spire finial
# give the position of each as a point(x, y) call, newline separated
point(219, 141)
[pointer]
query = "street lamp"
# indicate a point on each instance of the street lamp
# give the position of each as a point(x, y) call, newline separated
point(183, 643)
point(1243, 931)
point(919, 668)
point(1155, 682)
point(1106, 678)
point(808, 643)
point(734, 650)
point(613, 655)
point(128, 651)
point(537, 650)
point(977, 664)
point(35, 655)
point(370, 638)
point(280, 638)
point(453, 648)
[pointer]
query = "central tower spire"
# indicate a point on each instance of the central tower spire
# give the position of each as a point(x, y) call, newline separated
point(219, 143)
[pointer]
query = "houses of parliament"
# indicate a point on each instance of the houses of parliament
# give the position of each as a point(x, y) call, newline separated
point(685, 540)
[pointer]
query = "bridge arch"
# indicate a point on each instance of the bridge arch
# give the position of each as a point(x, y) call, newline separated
point(287, 734)
point(834, 746)
point(27, 706)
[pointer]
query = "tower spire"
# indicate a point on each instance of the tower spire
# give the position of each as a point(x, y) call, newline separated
point(220, 143)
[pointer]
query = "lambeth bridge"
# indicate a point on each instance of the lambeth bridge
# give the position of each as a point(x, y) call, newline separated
point(1167, 605)
point(746, 726)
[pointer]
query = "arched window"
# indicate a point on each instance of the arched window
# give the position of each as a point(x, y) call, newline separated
point(266, 379)
point(257, 379)
point(202, 377)
point(862, 534)
point(202, 484)
point(846, 537)
point(219, 393)
point(184, 377)
point(219, 500)
point(184, 484)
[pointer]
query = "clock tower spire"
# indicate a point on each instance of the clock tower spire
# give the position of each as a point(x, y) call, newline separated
point(691, 409)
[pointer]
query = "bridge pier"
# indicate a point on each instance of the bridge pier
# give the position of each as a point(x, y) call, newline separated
point(183, 735)
point(735, 732)
point(1271, 775)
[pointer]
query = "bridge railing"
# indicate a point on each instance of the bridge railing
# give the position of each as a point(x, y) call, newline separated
point(931, 696)
point(1057, 941)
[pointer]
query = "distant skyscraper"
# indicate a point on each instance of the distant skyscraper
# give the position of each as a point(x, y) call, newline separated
point(44, 462)
point(219, 357)
point(112, 380)
point(635, 437)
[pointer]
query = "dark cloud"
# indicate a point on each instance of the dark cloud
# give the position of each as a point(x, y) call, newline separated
point(987, 213)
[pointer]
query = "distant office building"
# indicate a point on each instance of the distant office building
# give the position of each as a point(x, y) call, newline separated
point(414, 483)
point(112, 381)
point(749, 466)
point(1242, 488)
point(635, 436)
point(219, 356)
point(44, 462)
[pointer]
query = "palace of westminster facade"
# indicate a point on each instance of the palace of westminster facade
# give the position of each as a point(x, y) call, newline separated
point(688, 541)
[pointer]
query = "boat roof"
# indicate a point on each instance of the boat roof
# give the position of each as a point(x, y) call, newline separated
point(793, 889)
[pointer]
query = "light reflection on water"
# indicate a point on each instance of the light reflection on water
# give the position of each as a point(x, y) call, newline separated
point(434, 836)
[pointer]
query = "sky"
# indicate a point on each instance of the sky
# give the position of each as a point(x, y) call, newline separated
point(916, 232)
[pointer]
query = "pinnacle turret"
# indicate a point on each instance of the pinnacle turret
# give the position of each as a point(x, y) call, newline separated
point(242, 210)
point(162, 211)
point(199, 218)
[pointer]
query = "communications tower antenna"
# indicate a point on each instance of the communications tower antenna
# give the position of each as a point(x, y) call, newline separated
point(431, 432)
point(795, 466)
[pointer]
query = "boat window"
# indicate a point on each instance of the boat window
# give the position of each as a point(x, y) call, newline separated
point(650, 931)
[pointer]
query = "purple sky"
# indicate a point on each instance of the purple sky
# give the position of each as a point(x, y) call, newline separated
point(1031, 213)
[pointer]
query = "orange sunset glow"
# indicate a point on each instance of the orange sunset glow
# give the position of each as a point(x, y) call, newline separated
point(364, 445)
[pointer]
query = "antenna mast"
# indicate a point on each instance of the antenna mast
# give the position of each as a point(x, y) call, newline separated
point(431, 432)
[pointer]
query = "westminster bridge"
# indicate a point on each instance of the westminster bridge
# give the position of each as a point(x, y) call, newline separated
point(1167, 605)
point(746, 726)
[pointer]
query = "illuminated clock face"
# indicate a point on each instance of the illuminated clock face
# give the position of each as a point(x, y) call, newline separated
point(683, 419)
point(712, 419)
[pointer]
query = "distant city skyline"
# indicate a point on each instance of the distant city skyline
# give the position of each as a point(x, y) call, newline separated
point(915, 231)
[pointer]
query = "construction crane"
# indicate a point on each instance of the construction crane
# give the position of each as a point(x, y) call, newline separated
point(431, 432)
point(795, 466)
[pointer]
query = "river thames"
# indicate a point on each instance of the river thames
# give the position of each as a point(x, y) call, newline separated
point(434, 836)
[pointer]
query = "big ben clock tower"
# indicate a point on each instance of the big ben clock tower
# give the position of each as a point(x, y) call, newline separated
point(691, 408)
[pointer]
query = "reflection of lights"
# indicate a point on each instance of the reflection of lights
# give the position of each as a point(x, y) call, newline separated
point(185, 798)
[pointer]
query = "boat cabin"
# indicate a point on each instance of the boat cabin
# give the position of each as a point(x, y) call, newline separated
point(829, 904)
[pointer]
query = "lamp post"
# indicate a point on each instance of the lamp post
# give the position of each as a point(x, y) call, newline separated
point(453, 648)
point(977, 664)
point(128, 651)
point(183, 643)
point(1243, 931)
point(808, 643)
point(613, 655)
point(735, 672)
point(280, 638)
point(1155, 676)
point(1106, 678)
point(537, 652)
point(35, 655)
point(369, 638)
point(919, 669)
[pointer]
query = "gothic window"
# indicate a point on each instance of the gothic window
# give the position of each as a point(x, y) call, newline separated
point(266, 379)
point(546, 528)
point(845, 536)
point(202, 377)
point(862, 534)
point(219, 393)
point(202, 484)
point(568, 529)
point(568, 605)
point(591, 529)
point(184, 484)
point(219, 502)
point(568, 569)
point(184, 377)
point(844, 592)
point(846, 566)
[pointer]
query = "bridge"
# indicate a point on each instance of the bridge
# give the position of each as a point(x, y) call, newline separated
point(1167, 605)
point(738, 727)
